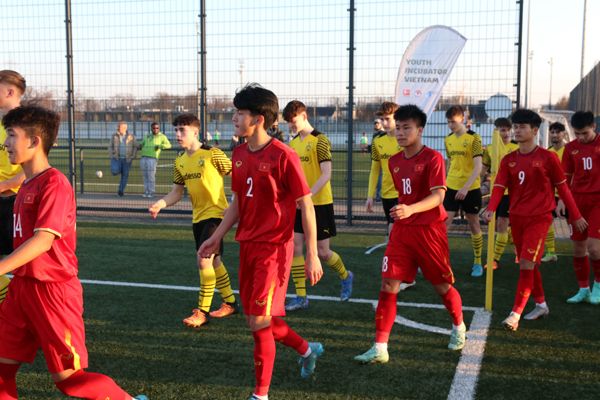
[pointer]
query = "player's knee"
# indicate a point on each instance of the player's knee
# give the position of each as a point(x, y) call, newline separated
point(594, 251)
point(324, 254)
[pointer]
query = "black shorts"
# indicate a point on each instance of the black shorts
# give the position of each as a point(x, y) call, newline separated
point(325, 222)
point(7, 205)
point(470, 205)
point(555, 215)
point(205, 229)
point(502, 210)
point(387, 206)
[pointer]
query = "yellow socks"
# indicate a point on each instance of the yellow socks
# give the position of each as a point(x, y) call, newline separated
point(298, 276)
point(477, 246)
point(336, 264)
point(550, 246)
point(207, 288)
point(510, 238)
point(501, 240)
point(224, 285)
point(4, 281)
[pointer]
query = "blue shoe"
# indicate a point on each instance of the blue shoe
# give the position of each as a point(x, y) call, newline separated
point(140, 397)
point(299, 303)
point(457, 340)
point(477, 270)
point(347, 286)
point(308, 363)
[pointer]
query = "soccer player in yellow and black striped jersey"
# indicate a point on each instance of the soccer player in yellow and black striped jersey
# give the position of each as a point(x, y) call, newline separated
point(314, 150)
point(558, 134)
point(12, 87)
point(504, 127)
point(465, 152)
point(201, 169)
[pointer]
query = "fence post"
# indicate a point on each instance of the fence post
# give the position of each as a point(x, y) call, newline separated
point(520, 46)
point(70, 99)
point(350, 178)
point(203, 74)
point(81, 168)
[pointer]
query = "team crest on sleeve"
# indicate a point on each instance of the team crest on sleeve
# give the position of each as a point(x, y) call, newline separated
point(29, 197)
point(419, 167)
point(238, 164)
point(264, 167)
point(512, 164)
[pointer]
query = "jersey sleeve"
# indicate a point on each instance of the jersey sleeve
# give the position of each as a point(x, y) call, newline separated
point(235, 177)
point(477, 147)
point(177, 178)
point(446, 147)
point(437, 172)
point(54, 207)
point(293, 176)
point(487, 158)
point(555, 170)
point(374, 152)
point(568, 165)
point(220, 161)
point(323, 148)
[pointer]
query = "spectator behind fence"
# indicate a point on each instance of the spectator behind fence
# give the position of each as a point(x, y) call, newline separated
point(364, 143)
point(151, 147)
point(217, 137)
point(123, 150)
point(274, 131)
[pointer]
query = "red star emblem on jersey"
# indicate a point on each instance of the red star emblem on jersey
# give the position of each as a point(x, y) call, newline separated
point(597, 149)
point(419, 167)
point(29, 198)
point(537, 164)
point(264, 167)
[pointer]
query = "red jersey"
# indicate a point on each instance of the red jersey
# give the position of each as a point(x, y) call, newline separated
point(267, 184)
point(415, 178)
point(582, 162)
point(47, 203)
point(530, 179)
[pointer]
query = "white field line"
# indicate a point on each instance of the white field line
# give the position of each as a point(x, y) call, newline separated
point(469, 364)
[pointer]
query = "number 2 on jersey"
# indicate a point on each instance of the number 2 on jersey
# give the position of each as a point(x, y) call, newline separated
point(249, 182)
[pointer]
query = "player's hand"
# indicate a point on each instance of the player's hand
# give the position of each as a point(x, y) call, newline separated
point(369, 204)
point(154, 209)
point(581, 225)
point(461, 194)
point(401, 211)
point(487, 216)
point(224, 212)
point(208, 248)
point(313, 269)
point(560, 209)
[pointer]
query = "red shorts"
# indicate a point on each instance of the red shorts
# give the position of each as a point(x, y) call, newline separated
point(44, 314)
point(529, 235)
point(264, 274)
point(589, 207)
point(418, 246)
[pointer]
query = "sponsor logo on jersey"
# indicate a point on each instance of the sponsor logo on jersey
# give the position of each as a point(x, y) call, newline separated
point(193, 175)
point(305, 159)
point(406, 92)
point(260, 302)
point(386, 156)
point(2, 147)
point(512, 164)
point(575, 152)
point(418, 93)
point(419, 167)
point(264, 167)
point(537, 164)
point(396, 170)
point(238, 163)
point(29, 198)
point(457, 153)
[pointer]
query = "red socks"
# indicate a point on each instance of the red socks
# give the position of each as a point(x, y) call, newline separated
point(287, 337)
point(524, 289)
point(8, 385)
point(538, 290)
point(264, 358)
point(87, 385)
point(385, 315)
point(582, 271)
point(453, 304)
point(596, 268)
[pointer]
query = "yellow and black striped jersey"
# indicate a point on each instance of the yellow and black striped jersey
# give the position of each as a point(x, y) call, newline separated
point(202, 173)
point(7, 170)
point(508, 148)
point(560, 155)
point(313, 150)
point(461, 151)
point(382, 149)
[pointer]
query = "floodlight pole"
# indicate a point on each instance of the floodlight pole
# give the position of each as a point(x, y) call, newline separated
point(349, 177)
point(70, 97)
point(203, 74)
point(583, 40)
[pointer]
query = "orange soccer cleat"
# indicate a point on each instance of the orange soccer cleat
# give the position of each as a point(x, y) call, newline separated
point(197, 319)
point(225, 310)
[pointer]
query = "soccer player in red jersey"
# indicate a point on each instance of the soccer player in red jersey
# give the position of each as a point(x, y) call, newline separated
point(581, 163)
point(268, 183)
point(530, 174)
point(418, 237)
point(44, 303)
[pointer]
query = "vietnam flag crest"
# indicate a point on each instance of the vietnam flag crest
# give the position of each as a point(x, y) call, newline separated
point(419, 167)
point(537, 164)
point(29, 198)
point(264, 167)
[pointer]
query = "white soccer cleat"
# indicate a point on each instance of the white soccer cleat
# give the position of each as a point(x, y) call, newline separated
point(538, 312)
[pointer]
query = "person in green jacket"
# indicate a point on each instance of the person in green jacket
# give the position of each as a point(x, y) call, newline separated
point(151, 147)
